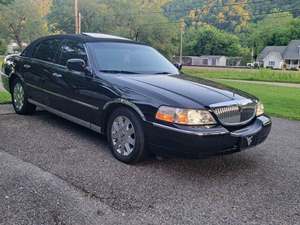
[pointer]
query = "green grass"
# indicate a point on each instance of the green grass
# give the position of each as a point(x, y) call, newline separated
point(279, 101)
point(245, 74)
point(4, 97)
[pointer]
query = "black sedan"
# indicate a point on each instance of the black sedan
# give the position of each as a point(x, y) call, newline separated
point(131, 93)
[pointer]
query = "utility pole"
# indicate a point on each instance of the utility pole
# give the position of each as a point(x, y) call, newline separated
point(182, 27)
point(76, 17)
point(79, 23)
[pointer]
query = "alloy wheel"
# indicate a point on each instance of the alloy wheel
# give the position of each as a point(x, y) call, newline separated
point(123, 135)
point(18, 96)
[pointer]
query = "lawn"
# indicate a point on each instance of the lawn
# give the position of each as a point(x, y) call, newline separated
point(245, 74)
point(279, 101)
point(4, 97)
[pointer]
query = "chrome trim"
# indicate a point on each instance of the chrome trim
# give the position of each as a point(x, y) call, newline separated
point(125, 102)
point(233, 103)
point(220, 131)
point(265, 120)
point(64, 97)
point(67, 116)
point(56, 75)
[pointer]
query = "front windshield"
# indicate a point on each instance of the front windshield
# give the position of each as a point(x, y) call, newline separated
point(114, 57)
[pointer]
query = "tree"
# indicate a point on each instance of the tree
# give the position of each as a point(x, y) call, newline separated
point(208, 40)
point(232, 16)
point(263, 33)
point(141, 20)
point(19, 22)
point(5, 2)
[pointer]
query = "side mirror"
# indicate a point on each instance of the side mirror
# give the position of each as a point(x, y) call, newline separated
point(78, 65)
point(178, 66)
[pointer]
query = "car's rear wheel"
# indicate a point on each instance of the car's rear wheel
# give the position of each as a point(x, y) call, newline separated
point(19, 98)
point(126, 136)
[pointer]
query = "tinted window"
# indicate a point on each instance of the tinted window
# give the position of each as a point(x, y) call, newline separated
point(136, 58)
point(47, 50)
point(72, 49)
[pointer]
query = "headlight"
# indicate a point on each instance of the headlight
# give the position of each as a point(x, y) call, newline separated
point(185, 116)
point(260, 109)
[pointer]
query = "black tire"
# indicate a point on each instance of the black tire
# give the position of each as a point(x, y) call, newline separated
point(139, 151)
point(26, 108)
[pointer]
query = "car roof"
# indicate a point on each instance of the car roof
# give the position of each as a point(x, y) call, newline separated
point(84, 37)
point(90, 37)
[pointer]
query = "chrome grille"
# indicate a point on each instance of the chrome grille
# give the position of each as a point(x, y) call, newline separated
point(235, 112)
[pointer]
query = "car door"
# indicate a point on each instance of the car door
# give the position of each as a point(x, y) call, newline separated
point(35, 69)
point(75, 91)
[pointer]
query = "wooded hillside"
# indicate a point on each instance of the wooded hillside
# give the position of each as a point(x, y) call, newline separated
point(227, 27)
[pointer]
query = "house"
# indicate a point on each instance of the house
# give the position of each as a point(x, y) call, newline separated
point(206, 60)
point(279, 57)
point(272, 57)
point(292, 55)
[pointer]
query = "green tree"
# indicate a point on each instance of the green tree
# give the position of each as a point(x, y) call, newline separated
point(2, 46)
point(264, 33)
point(208, 40)
point(135, 19)
point(20, 22)
point(230, 15)
point(5, 2)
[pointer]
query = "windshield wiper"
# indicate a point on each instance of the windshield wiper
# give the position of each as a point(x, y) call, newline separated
point(118, 71)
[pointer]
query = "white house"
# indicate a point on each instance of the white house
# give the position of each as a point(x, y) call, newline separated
point(279, 57)
point(292, 55)
point(272, 57)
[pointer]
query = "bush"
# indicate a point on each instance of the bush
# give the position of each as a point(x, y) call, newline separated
point(2, 47)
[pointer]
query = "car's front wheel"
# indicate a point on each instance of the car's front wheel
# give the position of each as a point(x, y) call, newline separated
point(126, 136)
point(19, 98)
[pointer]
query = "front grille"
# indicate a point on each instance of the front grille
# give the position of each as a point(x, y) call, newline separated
point(235, 112)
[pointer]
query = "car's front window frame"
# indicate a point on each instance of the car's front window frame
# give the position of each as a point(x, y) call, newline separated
point(98, 68)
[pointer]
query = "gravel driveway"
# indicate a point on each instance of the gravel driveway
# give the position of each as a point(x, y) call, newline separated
point(55, 172)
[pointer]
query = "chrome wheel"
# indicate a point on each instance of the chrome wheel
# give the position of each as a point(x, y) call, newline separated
point(123, 135)
point(18, 96)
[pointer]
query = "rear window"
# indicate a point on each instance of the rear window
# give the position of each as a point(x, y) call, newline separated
point(47, 50)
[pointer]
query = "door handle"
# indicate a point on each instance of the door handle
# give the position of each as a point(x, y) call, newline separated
point(26, 66)
point(56, 75)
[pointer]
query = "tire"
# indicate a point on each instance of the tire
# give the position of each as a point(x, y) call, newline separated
point(19, 98)
point(121, 124)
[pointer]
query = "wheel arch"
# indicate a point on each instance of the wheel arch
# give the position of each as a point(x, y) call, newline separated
point(12, 77)
point(109, 107)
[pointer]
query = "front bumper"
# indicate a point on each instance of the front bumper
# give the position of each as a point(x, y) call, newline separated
point(198, 143)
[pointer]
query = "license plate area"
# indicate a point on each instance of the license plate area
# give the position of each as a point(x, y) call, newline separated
point(248, 141)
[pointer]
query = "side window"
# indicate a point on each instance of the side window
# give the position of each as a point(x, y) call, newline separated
point(72, 49)
point(47, 50)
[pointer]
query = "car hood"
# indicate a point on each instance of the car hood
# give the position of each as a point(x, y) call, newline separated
point(181, 89)
point(202, 91)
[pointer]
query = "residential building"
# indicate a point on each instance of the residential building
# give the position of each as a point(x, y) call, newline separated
point(292, 55)
point(272, 57)
point(279, 57)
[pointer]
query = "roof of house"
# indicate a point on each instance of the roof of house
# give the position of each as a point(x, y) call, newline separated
point(268, 49)
point(212, 56)
point(292, 50)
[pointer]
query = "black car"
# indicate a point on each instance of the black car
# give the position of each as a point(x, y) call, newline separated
point(131, 93)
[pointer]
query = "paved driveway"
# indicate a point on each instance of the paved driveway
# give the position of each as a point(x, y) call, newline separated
point(55, 172)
